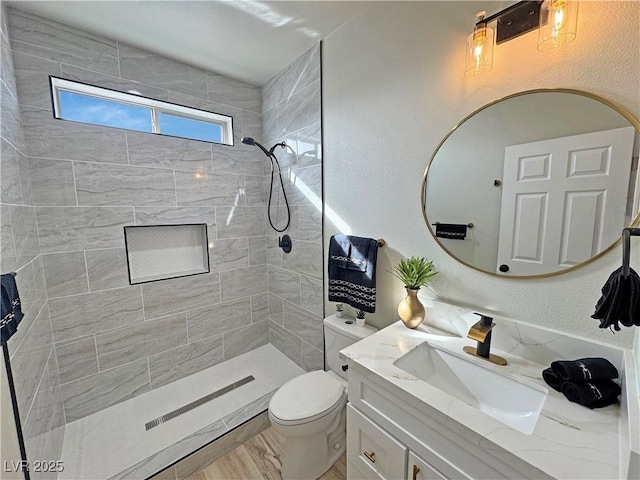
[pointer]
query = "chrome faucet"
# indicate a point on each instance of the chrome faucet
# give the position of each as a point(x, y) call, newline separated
point(481, 333)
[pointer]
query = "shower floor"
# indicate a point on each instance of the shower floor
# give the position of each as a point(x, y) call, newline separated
point(114, 442)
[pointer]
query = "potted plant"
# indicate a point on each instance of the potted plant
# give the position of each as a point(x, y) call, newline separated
point(339, 310)
point(414, 272)
point(360, 317)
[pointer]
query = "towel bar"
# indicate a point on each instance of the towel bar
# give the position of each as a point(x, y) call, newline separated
point(626, 248)
point(469, 225)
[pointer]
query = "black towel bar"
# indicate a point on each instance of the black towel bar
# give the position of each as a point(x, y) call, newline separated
point(627, 233)
point(469, 225)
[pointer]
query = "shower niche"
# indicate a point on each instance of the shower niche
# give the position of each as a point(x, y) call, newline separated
point(159, 252)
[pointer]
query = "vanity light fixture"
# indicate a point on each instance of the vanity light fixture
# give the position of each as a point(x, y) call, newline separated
point(556, 21)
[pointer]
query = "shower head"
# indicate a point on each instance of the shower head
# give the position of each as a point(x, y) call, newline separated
point(268, 153)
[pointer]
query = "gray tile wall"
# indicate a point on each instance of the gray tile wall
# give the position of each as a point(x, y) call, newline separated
point(33, 361)
point(110, 340)
point(291, 113)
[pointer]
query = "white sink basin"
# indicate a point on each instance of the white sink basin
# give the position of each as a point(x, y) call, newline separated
point(507, 399)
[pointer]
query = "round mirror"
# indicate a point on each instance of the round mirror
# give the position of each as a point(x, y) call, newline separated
point(535, 184)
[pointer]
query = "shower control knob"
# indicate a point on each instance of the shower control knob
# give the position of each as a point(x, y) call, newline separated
point(345, 368)
point(504, 268)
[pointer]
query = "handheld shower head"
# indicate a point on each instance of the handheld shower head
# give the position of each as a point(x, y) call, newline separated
point(251, 141)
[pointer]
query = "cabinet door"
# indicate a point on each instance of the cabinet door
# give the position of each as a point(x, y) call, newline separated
point(372, 451)
point(418, 469)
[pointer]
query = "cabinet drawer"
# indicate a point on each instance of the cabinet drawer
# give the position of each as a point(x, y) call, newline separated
point(371, 450)
point(418, 469)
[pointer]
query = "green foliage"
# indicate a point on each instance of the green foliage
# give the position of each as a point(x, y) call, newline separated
point(360, 313)
point(414, 272)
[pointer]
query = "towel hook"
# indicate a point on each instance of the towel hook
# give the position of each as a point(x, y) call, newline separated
point(626, 248)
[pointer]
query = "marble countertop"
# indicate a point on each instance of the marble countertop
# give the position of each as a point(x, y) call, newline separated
point(569, 440)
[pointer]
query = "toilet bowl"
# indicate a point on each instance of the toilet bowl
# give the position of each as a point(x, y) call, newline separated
point(309, 410)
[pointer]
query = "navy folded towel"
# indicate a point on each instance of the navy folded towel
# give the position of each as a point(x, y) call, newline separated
point(552, 379)
point(352, 271)
point(592, 394)
point(584, 370)
point(11, 309)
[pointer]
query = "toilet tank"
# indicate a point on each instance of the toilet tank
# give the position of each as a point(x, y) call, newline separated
point(339, 333)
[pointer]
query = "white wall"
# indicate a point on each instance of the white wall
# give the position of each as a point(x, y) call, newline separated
point(393, 86)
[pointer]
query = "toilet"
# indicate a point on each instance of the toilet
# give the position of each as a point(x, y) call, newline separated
point(309, 410)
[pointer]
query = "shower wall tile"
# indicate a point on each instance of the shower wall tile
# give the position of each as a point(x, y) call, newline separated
point(239, 159)
point(305, 259)
point(177, 215)
point(82, 228)
point(10, 188)
point(150, 150)
point(284, 284)
point(312, 358)
point(223, 317)
point(300, 73)
point(309, 146)
point(241, 282)
point(52, 182)
point(32, 78)
point(109, 185)
point(11, 126)
point(310, 224)
point(62, 139)
point(229, 254)
point(77, 358)
point(112, 82)
point(107, 268)
point(244, 339)
point(91, 394)
point(311, 294)
point(286, 342)
point(7, 249)
point(300, 110)
point(125, 345)
point(65, 274)
point(257, 250)
point(274, 252)
point(186, 360)
point(234, 92)
point(221, 107)
point(177, 295)
point(259, 307)
point(276, 308)
point(49, 39)
point(304, 324)
point(162, 72)
point(251, 125)
point(36, 421)
point(31, 311)
point(25, 178)
point(304, 187)
point(241, 221)
point(95, 312)
point(25, 230)
point(209, 189)
point(270, 125)
point(255, 191)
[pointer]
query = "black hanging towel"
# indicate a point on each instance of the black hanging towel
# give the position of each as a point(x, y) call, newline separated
point(11, 308)
point(451, 230)
point(352, 271)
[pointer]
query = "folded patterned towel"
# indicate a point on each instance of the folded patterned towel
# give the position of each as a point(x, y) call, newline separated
point(552, 379)
point(592, 395)
point(11, 307)
point(352, 271)
point(584, 370)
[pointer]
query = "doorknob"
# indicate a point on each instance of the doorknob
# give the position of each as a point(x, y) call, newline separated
point(504, 268)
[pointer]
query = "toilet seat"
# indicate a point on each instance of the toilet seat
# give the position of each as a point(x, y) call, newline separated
point(306, 398)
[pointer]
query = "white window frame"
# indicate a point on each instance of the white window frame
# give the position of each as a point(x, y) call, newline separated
point(156, 106)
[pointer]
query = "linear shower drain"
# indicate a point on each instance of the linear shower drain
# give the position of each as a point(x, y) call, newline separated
point(197, 403)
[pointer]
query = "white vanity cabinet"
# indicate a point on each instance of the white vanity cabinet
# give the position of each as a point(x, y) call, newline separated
point(392, 438)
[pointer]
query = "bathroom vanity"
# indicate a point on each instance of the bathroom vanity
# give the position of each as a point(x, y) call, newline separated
point(420, 408)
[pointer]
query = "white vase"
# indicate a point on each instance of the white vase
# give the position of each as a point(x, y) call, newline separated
point(360, 322)
point(338, 314)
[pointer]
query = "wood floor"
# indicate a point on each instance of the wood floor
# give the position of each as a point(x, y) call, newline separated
point(258, 458)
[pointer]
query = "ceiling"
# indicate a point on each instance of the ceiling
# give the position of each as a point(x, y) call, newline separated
point(244, 39)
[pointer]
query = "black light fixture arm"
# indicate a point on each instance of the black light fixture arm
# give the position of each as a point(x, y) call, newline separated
point(513, 21)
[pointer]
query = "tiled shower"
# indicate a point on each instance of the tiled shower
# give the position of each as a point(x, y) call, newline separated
point(90, 340)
